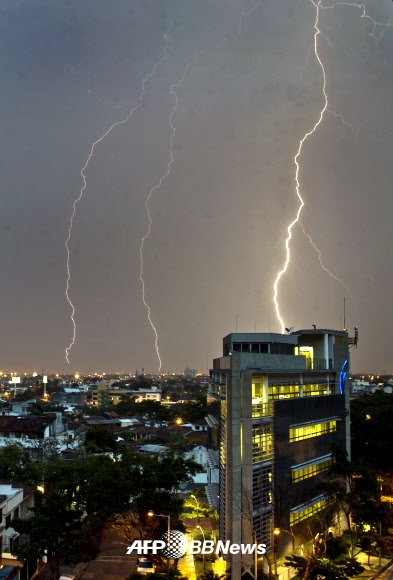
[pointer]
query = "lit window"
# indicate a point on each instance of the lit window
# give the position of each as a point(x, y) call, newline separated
point(313, 429)
point(283, 391)
point(315, 389)
point(262, 442)
point(307, 510)
point(310, 468)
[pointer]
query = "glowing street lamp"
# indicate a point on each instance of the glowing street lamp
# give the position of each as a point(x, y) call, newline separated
point(151, 514)
point(197, 506)
point(203, 552)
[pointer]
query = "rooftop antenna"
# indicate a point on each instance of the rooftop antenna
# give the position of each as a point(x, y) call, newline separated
point(236, 322)
point(345, 328)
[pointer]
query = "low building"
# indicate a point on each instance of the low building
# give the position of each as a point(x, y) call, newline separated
point(152, 394)
point(16, 500)
point(198, 453)
point(109, 424)
point(22, 407)
point(144, 432)
point(153, 449)
point(30, 431)
point(103, 394)
point(69, 397)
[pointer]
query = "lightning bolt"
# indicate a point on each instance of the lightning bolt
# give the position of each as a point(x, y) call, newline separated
point(173, 91)
point(243, 16)
point(381, 26)
point(377, 32)
point(318, 251)
point(82, 172)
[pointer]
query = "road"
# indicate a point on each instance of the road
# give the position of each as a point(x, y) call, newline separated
point(113, 563)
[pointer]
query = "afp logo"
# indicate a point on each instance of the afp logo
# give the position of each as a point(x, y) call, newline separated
point(174, 546)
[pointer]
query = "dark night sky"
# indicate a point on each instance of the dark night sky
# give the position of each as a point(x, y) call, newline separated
point(70, 69)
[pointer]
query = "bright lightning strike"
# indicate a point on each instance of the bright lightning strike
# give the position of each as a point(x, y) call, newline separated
point(173, 91)
point(377, 32)
point(82, 172)
point(296, 161)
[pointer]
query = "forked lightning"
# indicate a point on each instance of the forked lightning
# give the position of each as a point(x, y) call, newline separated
point(78, 199)
point(377, 32)
point(173, 88)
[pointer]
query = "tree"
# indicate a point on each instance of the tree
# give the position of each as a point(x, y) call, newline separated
point(81, 495)
point(53, 531)
point(99, 439)
point(13, 463)
point(196, 505)
point(154, 480)
point(355, 492)
point(39, 408)
point(321, 567)
point(372, 430)
point(79, 498)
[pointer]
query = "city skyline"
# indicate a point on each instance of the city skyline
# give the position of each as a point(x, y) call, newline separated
point(253, 89)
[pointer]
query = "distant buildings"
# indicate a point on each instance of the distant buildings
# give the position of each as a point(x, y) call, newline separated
point(284, 400)
point(103, 394)
point(190, 373)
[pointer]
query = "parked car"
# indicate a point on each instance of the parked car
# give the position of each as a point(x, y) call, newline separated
point(145, 566)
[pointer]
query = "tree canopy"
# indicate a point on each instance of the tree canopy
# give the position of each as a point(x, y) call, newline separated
point(83, 496)
point(372, 430)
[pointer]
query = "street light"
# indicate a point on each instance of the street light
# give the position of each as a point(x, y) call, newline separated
point(151, 514)
point(197, 506)
point(276, 534)
point(203, 551)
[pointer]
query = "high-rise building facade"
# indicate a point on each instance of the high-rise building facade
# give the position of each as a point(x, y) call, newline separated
point(284, 401)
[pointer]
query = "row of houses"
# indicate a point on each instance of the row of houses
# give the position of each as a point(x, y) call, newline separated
point(35, 433)
point(38, 433)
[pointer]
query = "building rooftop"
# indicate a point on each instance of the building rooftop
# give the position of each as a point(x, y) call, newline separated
point(4, 484)
point(318, 331)
point(259, 337)
point(26, 424)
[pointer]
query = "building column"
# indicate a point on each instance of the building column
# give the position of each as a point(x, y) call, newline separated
point(326, 349)
point(265, 389)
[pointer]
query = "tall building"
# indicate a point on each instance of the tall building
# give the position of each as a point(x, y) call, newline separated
point(190, 373)
point(284, 401)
